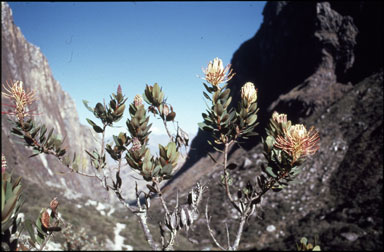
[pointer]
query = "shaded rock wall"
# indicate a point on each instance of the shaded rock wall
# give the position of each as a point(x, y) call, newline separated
point(313, 61)
point(319, 49)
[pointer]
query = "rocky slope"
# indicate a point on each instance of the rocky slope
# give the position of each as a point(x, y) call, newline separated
point(20, 60)
point(321, 63)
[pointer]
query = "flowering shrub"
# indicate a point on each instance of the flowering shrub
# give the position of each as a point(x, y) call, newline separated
point(286, 147)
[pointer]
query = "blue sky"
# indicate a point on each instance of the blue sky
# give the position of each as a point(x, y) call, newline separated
point(93, 47)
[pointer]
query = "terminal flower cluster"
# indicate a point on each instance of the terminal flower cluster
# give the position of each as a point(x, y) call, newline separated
point(21, 99)
point(215, 73)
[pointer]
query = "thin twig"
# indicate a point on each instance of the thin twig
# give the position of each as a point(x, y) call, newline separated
point(169, 246)
point(166, 129)
point(228, 240)
point(161, 197)
point(239, 233)
point(143, 221)
point(227, 190)
point(102, 140)
point(210, 230)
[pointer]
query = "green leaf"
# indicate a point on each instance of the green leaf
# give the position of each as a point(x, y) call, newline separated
point(167, 170)
point(97, 129)
point(91, 122)
point(8, 190)
point(207, 96)
point(40, 238)
point(269, 141)
point(214, 160)
point(28, 140)
point(120, 110)
point(156, 171)
point(209, 89)
point(252, 119)
point(61, 153)
point(162, 151)
point(218, 109)
point(2, 198)
point(112, 104)
point(17, 132)
point(217, 149)
point(38, 223)
point(8, 208)
point(201, 125)
point(231, 166)
point(270, 172)
point(145, 98)
point(224, 95)
point(85, 102)
point(29, 227)
point(99, 109)
point(91, 155)
point(171, 148)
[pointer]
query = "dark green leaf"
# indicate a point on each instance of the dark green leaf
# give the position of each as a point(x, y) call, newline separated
point(231, 166)
point(91, 155)
point(171, 116)
point(97, 129)
point(28, 140)
point(207, 96)
point(214, 160)
point(270, 171)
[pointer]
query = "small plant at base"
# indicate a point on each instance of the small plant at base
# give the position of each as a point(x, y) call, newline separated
point(11, 202)
point(305, 246)
point(46, 223)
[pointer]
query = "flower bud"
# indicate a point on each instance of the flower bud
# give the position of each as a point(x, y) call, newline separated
point(3, 164)
point(279, 118)
point(136, 144)
point(249, 93)
point(165, 110)
point(138, 101)
point(119, 91)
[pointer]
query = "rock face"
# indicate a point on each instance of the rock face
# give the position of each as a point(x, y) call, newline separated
point(23, 61)
point(320, 63)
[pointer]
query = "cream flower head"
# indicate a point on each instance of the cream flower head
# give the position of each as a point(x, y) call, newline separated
point(16, 93)
point(249, 93)
point(216, 73)
point(298, 142)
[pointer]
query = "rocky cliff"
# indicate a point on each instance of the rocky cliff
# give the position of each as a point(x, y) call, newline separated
point(20, 60)
point(321, 63)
